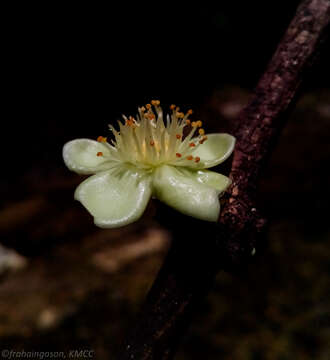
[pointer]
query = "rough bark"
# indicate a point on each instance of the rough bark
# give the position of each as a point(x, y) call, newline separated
point(192, 263)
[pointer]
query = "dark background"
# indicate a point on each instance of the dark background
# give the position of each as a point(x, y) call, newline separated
point(72, 69)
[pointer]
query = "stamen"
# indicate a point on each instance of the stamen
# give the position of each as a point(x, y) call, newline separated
point(130, 121)
point(204, 138)
point(150, 116)
point(148, 140)
point(100, 153)
point(101, 139)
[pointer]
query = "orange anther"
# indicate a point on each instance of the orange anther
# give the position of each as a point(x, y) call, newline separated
point(130, 121)
point(148, 106)
point(102, 139)
point(155, 102)
point(201, 131)
point(203, 139)
point(100, 153)
point(180, 115)
point(197, 159)
point(178, 155)
point(178, 136)
point(143, 109)
point(150, 116)
point(172, 107)
point(190, 157)
point(189, 112)
point(194, 124)
point(188, 122)
point(192, 145)
point(152, 143)
point(199, 123)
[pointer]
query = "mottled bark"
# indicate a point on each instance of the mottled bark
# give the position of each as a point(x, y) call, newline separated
point(261, 121)
point(199, 249)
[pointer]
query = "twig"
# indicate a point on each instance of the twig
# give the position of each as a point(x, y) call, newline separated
point(194, 258)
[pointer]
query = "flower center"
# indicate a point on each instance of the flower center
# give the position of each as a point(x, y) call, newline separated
point(146, 141)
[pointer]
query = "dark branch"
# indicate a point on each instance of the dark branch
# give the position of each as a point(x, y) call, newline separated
point(193, 260)
point(261, 121)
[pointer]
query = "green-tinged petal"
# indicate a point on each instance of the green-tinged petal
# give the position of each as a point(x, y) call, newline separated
point(216, 149)
point(80, 155)
point(115, 197)
point(187, 192)
point(210, 178)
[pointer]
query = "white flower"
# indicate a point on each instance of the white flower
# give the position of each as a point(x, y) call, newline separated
point(148, 158)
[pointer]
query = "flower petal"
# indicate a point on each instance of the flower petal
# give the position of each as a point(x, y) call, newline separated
point(80, 155)
point(216, 149)
point(115, 197)
point(211, 178)
point(187, 192)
